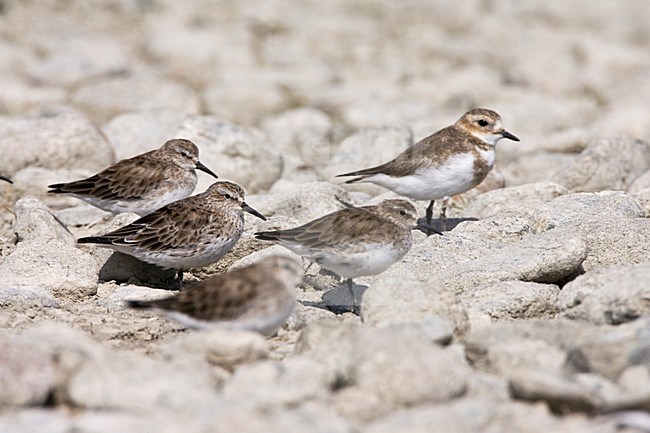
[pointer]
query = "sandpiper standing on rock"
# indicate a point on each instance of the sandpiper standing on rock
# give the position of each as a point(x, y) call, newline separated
point(449, 162)
point(190, 233)
point(143, 183)
point(355, 241)
point(258, 297)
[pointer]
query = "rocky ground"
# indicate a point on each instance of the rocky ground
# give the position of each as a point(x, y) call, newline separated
point(531, 315)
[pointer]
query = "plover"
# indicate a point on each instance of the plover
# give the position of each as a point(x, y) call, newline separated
point(258, 297)
point(189, 233)
point(143, 183)
point(355, 241)
point(449, 162)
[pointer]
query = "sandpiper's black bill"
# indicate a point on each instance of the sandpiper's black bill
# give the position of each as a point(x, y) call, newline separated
point(203, 168)
point(6, 179)
point(506, 134)
point(252, 211)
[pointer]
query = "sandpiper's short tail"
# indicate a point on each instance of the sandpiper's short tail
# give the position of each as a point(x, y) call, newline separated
point(94, 240)
point(268, 236)
point(363, 174)
point(140, 305)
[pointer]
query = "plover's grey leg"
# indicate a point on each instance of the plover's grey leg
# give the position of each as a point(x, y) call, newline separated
point(355, 307)
point(443, 214)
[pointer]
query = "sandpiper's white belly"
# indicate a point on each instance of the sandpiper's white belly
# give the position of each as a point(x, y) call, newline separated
point(183, 258)
point(455, 176)
point(371, 259)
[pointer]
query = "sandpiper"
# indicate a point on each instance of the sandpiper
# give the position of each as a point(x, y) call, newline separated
point(258, 297)
point(143, 183)
point(189, 233)
point(355, 241)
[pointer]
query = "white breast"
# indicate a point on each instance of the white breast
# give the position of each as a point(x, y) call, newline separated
point(453, 177)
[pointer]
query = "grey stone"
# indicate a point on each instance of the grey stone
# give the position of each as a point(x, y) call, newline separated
point(140, 131)
point(232, 152)
point(482, 415)
point(433, 329)
point(18, 95)
point(135, 382)
point(609, 240)
point(533, 344)
point(641, 183)
point(394, 301)
point(521, 199)
point(304, 203)
point(71, 59)
point(240, 102)
point(560, 393)
point(613, 163)
point(27, 374)
point(225, 348)
point(612, 295)
point(53, 140)
point(373, 360)
point(544, 258)
point(35, 222)
point(71, 273)
point(34, 419)
point(284, 383)
point(513, 300)
point(107, 97)
point(611, 351)
point(302, 135)
point(16, 297)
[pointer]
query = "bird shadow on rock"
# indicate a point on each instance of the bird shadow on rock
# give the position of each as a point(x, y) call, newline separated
point(436, 227)
point(123, 268)
point(338, 299)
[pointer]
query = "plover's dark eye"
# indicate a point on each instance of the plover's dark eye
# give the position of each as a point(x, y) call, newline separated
point(482, 122)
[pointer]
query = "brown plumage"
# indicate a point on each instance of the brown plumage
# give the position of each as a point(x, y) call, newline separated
point(188, 233)
point(256, 297)
point(143, 183)
point(449, 162)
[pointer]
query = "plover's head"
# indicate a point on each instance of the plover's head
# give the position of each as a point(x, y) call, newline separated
point(485, 125)
point(399, 212)
point(231, 195)
point(185, 154)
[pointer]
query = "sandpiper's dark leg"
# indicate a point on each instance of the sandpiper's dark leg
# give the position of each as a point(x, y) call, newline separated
point(430, 212)
point(443, 214)
point(430, 230)
point(179, 278)
point(355, 308)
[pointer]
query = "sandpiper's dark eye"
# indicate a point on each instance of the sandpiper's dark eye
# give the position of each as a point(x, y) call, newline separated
point(482, 122)
point(228, 196)
point(402, 212)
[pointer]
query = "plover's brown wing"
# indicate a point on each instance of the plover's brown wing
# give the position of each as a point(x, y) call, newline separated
point(224, 297)
point(129, 179)
point(177, 225)
point(428, 152)
point(338, 228)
